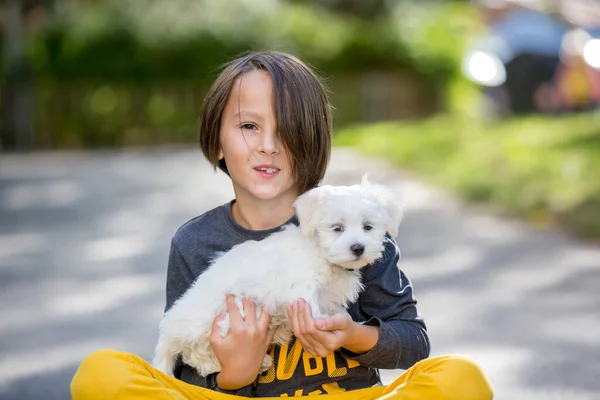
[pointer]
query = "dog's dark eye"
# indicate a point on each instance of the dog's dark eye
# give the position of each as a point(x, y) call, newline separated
point(367, 227)
point(338, 228)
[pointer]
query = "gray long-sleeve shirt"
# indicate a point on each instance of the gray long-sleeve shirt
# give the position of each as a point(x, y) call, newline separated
point(387, 302)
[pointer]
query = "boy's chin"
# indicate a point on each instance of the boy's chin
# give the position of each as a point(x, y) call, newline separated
point(272, 192)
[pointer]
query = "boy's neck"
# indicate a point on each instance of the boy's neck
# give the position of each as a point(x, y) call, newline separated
point(261, 215)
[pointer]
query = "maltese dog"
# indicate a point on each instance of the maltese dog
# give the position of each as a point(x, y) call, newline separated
point(341, 229)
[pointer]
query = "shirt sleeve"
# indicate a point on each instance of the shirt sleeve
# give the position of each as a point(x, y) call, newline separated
point(179, 278)
point(387, 301)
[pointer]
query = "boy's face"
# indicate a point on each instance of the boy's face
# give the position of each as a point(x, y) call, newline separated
point(255, 156)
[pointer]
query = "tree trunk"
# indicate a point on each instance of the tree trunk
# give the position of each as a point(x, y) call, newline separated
point(17, 118)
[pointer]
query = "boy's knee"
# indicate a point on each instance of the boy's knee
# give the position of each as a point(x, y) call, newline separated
point(87, 382)
point(99, 360)
point(465, 379)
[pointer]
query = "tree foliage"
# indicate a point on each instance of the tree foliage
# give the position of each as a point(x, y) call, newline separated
point(150, 40)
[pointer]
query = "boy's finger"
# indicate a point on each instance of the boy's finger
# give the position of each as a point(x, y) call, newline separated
point(270, 334)
point(317, 337)
point(299, 317)
point(294, 320)
point(215, 333)
point(265, 318)
point(234, 311)
point(250, 309)
point(306, 339)
point(309, 322)
point(325, 324)
point(336, 322)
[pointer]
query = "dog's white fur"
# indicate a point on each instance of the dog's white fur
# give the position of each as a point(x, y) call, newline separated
point(313, 261)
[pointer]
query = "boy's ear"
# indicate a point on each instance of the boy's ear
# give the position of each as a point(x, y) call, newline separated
point(308, 210)
point(388, 199)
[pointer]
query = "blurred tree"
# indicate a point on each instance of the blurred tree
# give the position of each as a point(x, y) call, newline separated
point(368, 10)
point(17, 100)
point(383, 59)
point(17, 93)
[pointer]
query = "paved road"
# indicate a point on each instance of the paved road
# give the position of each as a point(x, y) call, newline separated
point(83, 249)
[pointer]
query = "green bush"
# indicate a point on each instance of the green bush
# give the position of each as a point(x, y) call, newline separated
point(543, 169)
point(99, 66)
point(142, 41)
point(115, 115)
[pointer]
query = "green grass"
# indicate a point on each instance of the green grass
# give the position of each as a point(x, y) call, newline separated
point(542, 169)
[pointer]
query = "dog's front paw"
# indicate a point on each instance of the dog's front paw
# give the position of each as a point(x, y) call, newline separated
point(283, 334)
point(266, 363)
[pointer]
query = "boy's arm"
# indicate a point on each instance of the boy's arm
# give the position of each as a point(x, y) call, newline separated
point(179, 278)
point(388, 303)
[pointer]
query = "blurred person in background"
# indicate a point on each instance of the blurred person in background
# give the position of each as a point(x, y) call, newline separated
point(576, 84)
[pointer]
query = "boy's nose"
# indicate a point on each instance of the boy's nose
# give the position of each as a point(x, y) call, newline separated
point(269, 143)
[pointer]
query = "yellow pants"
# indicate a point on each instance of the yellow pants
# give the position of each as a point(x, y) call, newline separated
point(113, 375)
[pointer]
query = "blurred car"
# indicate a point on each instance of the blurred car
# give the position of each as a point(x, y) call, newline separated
point(534, 62)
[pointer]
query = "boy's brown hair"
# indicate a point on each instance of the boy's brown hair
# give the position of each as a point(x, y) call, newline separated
point(302, 111)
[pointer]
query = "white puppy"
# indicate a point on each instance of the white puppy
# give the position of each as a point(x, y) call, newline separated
point(342, 228)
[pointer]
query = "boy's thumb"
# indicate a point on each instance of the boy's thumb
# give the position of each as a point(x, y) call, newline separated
point(337, 321)
point(325, 324)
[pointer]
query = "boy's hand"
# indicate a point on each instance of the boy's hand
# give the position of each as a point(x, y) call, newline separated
point(241, 352)
point(326, 335)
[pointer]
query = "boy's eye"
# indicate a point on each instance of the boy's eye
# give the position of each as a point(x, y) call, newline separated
point(248, 126)
point(367, 227)
point(338, 228)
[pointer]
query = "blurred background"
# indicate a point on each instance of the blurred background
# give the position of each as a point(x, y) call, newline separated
point(484, 114)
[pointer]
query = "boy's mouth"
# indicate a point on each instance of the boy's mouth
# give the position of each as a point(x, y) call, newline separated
point(269, 170)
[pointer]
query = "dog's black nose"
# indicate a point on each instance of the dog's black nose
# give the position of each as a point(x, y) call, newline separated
point(357, 249)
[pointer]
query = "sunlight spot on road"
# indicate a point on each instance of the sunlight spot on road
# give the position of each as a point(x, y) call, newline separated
point(115, 248)
point(521, 279)
point(488, 227)
point(71, 299)
point(563, 330)
point(446, 311)
point(104, 295)
point(24, 364)
point(46, 195)
point(34, 167)
point(414, 195)
point(503, 365)
point(21, 243)
point(455, 260)
point(581, 259)
point(121, 222)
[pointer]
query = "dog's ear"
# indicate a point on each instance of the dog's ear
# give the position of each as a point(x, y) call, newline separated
point(308, 206)
point(388, 199)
